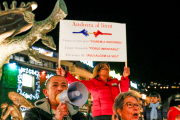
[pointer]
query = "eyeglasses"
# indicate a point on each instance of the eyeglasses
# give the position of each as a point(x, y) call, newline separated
point(104, 68)
point(131, 105)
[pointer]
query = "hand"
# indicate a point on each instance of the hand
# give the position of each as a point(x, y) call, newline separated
point(178, 117)
point(61, 110)
point(60, 71)
point(126, 72)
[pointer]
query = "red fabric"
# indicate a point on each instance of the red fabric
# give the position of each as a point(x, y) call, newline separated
point(103, 93)
point(173, 113)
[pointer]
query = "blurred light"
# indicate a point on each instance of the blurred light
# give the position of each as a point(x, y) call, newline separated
point(12, 65)
point(154, 87)
point(49, 75)
point(160, 87)
point(41, 50)
point(23, 111)
point(27, 80)
point(113, 74)
point(34, 6)
point(143, 83)
point(133, 84)
point(143, 96)
point(90, 63)
point(23, 114)
point(167, 87)
point(148, 86)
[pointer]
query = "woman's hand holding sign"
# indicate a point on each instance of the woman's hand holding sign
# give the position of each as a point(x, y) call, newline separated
point(126, 71)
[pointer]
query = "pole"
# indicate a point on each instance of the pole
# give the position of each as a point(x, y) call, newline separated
point(59, 58)
point(126, 64)
point(59, 63)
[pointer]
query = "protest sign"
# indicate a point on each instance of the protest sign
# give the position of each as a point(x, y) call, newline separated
point(92, 41)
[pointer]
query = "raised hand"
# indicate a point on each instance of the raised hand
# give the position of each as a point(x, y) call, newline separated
point(60, 71)
point(126, 71)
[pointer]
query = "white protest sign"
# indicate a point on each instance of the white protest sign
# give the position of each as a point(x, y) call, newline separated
point(92, 41)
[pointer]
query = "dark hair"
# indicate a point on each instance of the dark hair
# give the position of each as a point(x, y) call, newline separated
point(154, 94)
point(174, 102)
point(47, 81)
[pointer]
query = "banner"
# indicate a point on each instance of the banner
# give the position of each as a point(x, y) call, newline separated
point(92, 41)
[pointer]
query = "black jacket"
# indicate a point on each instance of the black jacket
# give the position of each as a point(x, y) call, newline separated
point(38, 114)
point(42, 112)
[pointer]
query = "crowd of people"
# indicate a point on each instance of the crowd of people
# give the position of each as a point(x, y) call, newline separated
point(112, 99)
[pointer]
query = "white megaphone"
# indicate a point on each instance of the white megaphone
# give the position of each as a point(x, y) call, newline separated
point(76, 94)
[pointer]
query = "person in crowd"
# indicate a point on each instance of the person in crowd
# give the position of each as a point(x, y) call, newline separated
point(103, 89)
point(174, 112)
point(127, 106)
point(49, 109)
point(155, 110)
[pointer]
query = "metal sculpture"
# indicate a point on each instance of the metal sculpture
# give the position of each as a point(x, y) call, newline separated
point(14, 109)
point(17, 20)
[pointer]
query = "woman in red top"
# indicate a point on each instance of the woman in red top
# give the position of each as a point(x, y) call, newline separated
point(174, 112)
point(103, 89)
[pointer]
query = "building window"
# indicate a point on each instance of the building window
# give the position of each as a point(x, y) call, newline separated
point(21, 58)
point(28, 83)
point(12, 57)
point(41, 63)
point(45, 63)
point(36, 63)
point(16, 57)
point(31, 61)
point(50, 64)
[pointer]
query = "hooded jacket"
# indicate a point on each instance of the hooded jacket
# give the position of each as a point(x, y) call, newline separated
point(103, 93)
point(173, 113)
point(42, 111)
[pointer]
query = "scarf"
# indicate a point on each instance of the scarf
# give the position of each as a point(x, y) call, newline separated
point(154, 110)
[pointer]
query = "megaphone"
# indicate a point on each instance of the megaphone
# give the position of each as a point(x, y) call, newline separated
point(76, 94)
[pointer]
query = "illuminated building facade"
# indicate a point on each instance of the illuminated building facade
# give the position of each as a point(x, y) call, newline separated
point(27, 77)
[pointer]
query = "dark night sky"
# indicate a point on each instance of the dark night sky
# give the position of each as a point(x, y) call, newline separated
point(152, 33)
point(152, 29)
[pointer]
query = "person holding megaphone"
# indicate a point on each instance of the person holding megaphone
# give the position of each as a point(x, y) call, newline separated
point(50, 108)
point(102, 87)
